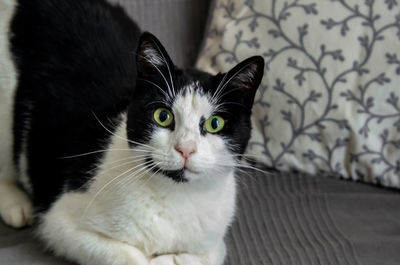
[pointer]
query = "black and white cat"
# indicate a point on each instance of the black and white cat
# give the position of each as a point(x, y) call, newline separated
point(115, 154)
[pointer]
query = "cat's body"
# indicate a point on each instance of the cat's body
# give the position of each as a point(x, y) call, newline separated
point(173, 219)
point(118, 168)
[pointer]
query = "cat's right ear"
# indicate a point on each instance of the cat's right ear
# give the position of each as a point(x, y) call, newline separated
point(151, 55)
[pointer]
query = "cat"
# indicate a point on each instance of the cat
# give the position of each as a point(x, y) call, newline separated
point(112, 152)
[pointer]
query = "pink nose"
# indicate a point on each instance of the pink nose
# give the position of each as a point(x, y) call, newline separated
point(186, 149)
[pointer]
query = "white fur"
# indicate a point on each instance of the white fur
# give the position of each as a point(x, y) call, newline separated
point(23, 177)
point(22, 171)
point(153, 56)
point(145, 218)
point(15, 207)
point(211, 151)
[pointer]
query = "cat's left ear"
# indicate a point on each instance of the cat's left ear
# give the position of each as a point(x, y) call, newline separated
point(152, 56)
point(246, 78)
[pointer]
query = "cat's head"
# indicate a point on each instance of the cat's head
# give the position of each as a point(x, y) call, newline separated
point(189, 124)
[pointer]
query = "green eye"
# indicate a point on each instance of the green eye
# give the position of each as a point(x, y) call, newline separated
point(214, 124)
point(163, 117)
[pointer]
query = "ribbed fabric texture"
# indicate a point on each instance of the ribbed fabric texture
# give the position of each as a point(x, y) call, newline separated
point(179, 24)
point(287, 219)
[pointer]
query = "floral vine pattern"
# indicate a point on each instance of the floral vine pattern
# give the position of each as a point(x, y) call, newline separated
point(379, 157)
point(336, 87)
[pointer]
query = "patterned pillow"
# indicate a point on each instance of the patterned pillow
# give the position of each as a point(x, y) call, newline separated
point(329, 102)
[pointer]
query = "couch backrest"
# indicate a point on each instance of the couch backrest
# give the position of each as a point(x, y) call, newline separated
point(179, 24)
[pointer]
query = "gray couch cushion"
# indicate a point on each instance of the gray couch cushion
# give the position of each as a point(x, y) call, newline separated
point(17, 247)
point(291, 219)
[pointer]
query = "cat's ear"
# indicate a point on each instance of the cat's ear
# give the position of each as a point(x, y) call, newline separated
point(246, 78)
point(151, 55)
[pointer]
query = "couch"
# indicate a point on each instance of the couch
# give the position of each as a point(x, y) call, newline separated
point(282, 218)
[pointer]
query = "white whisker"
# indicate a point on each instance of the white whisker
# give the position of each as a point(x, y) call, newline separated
point(232, 164)
point(125, 163)
point(169, 70)
point(218, 97)
point(109, 183)
point(158, 101)
point(94, 152)
point(106, 150)
point(117, 161)
point(215, 95)
point(157, 171)
point(230, 91)
point(159, 71)
point(220, 108)
point(127, 158)
point(129, 182)
point(165, 94)
point(120, 137)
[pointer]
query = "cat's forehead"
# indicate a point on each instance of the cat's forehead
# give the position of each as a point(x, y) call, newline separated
point(193, 101)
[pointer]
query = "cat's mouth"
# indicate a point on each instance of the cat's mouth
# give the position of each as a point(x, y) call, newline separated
point(176, 175)
point(190, 170)
point(179, 175)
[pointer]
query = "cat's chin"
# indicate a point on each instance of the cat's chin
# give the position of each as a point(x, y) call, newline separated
point(190, 171)
point(178, 176)
point(181, 175)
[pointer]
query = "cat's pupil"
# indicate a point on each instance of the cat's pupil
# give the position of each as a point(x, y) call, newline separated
point(215, 123)
point(163, 116)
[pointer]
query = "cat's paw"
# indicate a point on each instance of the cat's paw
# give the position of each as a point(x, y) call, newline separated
point(133, 256)
point(188, 259)
point(16, 211)
point(163, 260)
point(181, 259)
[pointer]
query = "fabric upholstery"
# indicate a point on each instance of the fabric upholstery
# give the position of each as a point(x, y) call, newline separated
point(329, 102)
point(296, 219)
point(17, 247)
point(179, 24)
point(285, 219)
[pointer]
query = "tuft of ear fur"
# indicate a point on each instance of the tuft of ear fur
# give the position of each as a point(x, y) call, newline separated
point(246, 77)
point(151, 55)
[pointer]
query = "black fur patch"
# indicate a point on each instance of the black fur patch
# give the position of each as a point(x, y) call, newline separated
point(76, 60)
point(79, 71)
